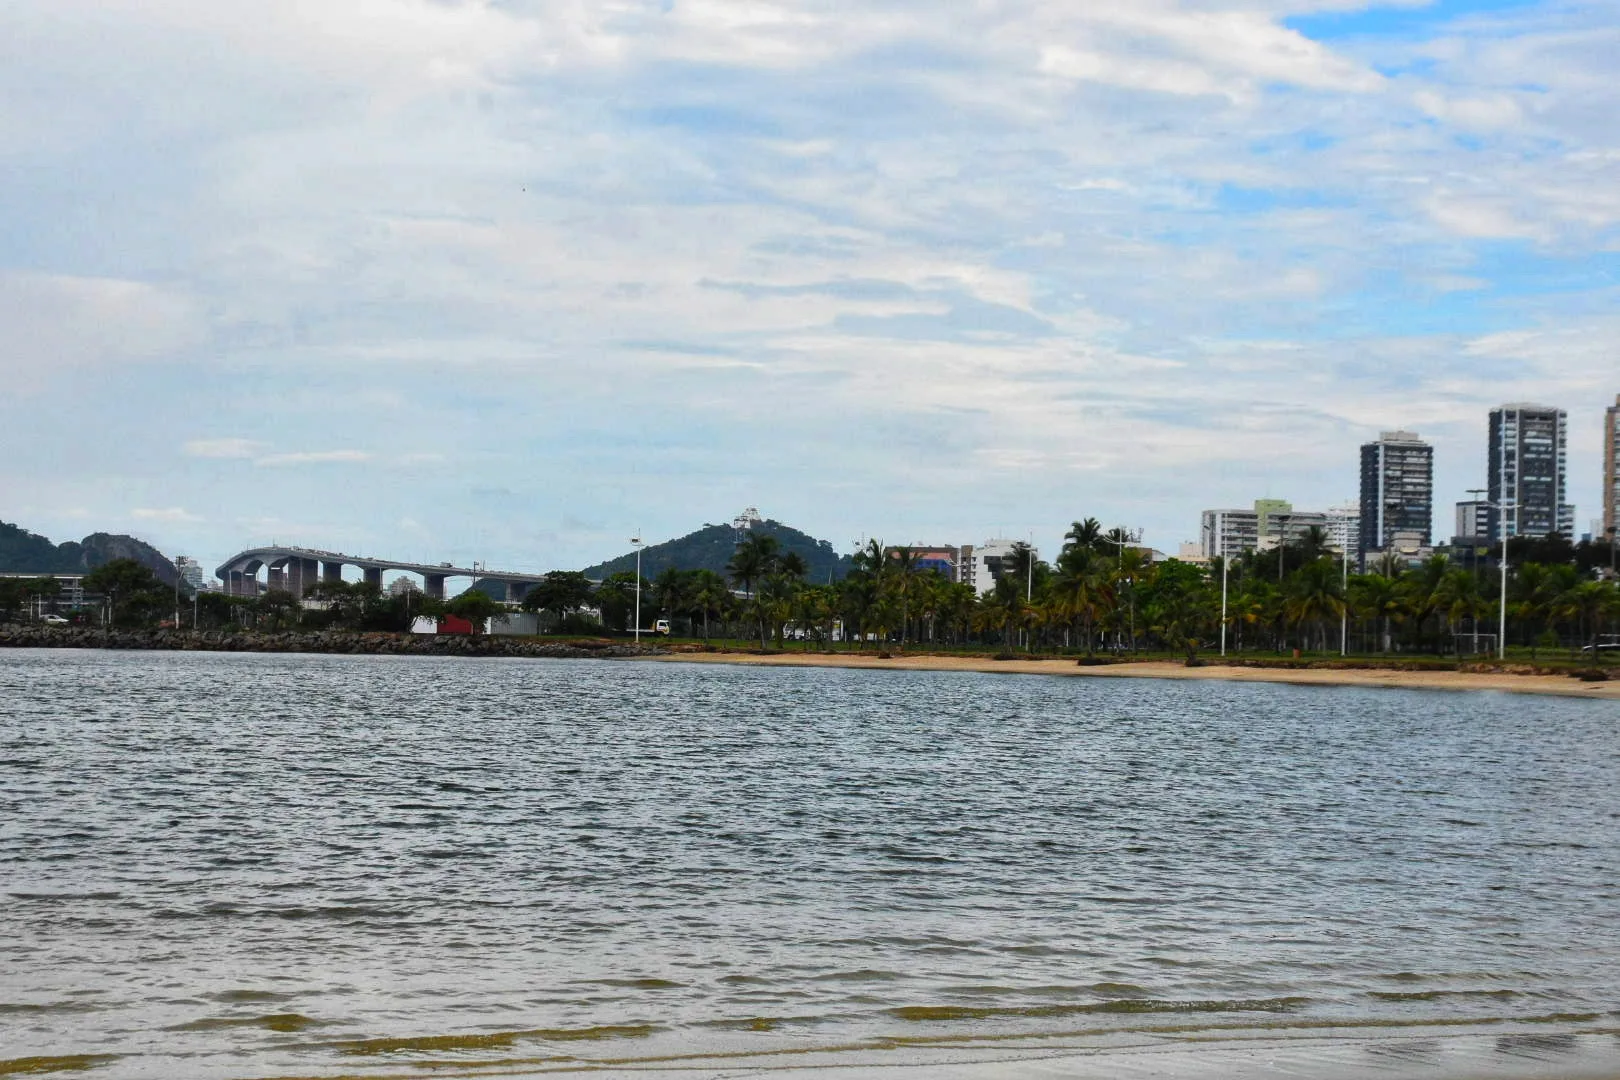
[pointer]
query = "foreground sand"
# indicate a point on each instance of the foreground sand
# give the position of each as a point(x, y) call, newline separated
point(1561, 685)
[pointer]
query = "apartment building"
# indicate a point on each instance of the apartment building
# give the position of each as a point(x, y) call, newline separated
point(1527, 471)
point(1397, 493)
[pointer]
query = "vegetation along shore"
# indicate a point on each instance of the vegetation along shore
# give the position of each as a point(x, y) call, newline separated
point(319, 641)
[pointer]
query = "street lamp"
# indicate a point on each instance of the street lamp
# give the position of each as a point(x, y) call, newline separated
point(1122, 539)
point(1502, 598)
point(1220, 543)
point(1344, 598)
point(636, 540)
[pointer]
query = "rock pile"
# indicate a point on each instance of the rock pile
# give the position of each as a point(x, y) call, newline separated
point(317, 641)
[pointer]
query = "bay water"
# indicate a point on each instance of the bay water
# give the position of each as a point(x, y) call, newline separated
point(244, 865)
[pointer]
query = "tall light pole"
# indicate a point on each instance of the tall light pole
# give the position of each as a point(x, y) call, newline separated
point(1220, 543)
point(1501, 509)
point(1282, 542)
point(1122, 539)
point(1501, 603)
point(1344, 599)
point(636, 540)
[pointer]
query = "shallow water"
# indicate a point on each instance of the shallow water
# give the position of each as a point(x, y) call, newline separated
point(261, 866)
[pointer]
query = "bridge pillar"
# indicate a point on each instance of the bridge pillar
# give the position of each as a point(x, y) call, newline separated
point(433, 585)
point(302, 575)
point(331, 571)
point(373, 575)
point(278, 577)
point(236, 584)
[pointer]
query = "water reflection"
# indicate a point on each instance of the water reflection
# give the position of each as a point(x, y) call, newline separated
point(298, 862)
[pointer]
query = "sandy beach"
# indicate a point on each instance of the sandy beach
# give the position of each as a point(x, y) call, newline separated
point(1560, 685)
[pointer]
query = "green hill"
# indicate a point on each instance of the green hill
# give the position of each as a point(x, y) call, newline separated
point(711, 547)
point(23, 552)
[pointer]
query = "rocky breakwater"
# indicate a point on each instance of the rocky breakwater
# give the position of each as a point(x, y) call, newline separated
point(319, 641)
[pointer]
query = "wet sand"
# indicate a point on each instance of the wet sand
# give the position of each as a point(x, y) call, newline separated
point(1559, 685)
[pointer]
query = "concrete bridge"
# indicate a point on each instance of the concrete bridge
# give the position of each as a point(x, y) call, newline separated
point(298, 570)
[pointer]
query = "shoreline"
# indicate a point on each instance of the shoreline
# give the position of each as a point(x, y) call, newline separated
point(1388, 678)
point(387, 644)
point(329, 642)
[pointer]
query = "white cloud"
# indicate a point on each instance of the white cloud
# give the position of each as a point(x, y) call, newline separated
point(314, 457)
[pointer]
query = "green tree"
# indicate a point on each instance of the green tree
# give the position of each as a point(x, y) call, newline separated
point(1314, 595)
point(133, 593)
point(559, 594)
point(476, 606)
point(1083, 588)
point(1180, 607)
point(757, 556)
point(709, 596)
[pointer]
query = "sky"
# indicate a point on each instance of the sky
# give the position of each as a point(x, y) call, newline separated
point(515, 280)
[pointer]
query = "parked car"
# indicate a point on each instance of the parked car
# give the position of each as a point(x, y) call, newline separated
point(1602, 647)
point(661, 627)
point(53, 620)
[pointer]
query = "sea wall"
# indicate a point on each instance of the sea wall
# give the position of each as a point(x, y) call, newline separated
point(320, 641)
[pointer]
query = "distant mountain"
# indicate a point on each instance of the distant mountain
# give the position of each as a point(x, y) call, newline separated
point(711, 548)
point(23, 552)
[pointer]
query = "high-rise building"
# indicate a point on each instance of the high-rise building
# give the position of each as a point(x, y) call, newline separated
point(1527, 468)
point(1397, 492)
point(1473, 521)
point(1611, 470)
point(190, 570)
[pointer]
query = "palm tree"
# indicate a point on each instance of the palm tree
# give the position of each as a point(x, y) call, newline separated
point(1457, 597)
point(756, 556)
point(901, 566)
point(1379, 598)
point(1314, 595)
point(1083, 589)
point(1083, 534)
point(708, 596)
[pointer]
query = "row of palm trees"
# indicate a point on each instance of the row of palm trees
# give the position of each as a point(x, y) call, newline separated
point(1103, 592)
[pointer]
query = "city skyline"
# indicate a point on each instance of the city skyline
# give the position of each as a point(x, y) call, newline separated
point(514, 282)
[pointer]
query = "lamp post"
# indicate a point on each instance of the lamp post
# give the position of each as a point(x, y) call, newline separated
point(636, 540)
point(1282, 543)
point(1122, 539)
point(1501, 509)
point(1344, 599)
point(1220, 544)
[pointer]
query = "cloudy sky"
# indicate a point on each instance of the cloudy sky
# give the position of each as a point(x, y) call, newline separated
point(512, 279)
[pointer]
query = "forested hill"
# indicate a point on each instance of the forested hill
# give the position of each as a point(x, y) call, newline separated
point(711, 547)
point(23, 552)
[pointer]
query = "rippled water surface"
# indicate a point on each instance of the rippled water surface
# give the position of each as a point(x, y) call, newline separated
point(258, 866)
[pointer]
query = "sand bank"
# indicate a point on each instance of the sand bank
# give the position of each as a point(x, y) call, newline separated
point(1560, 685)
